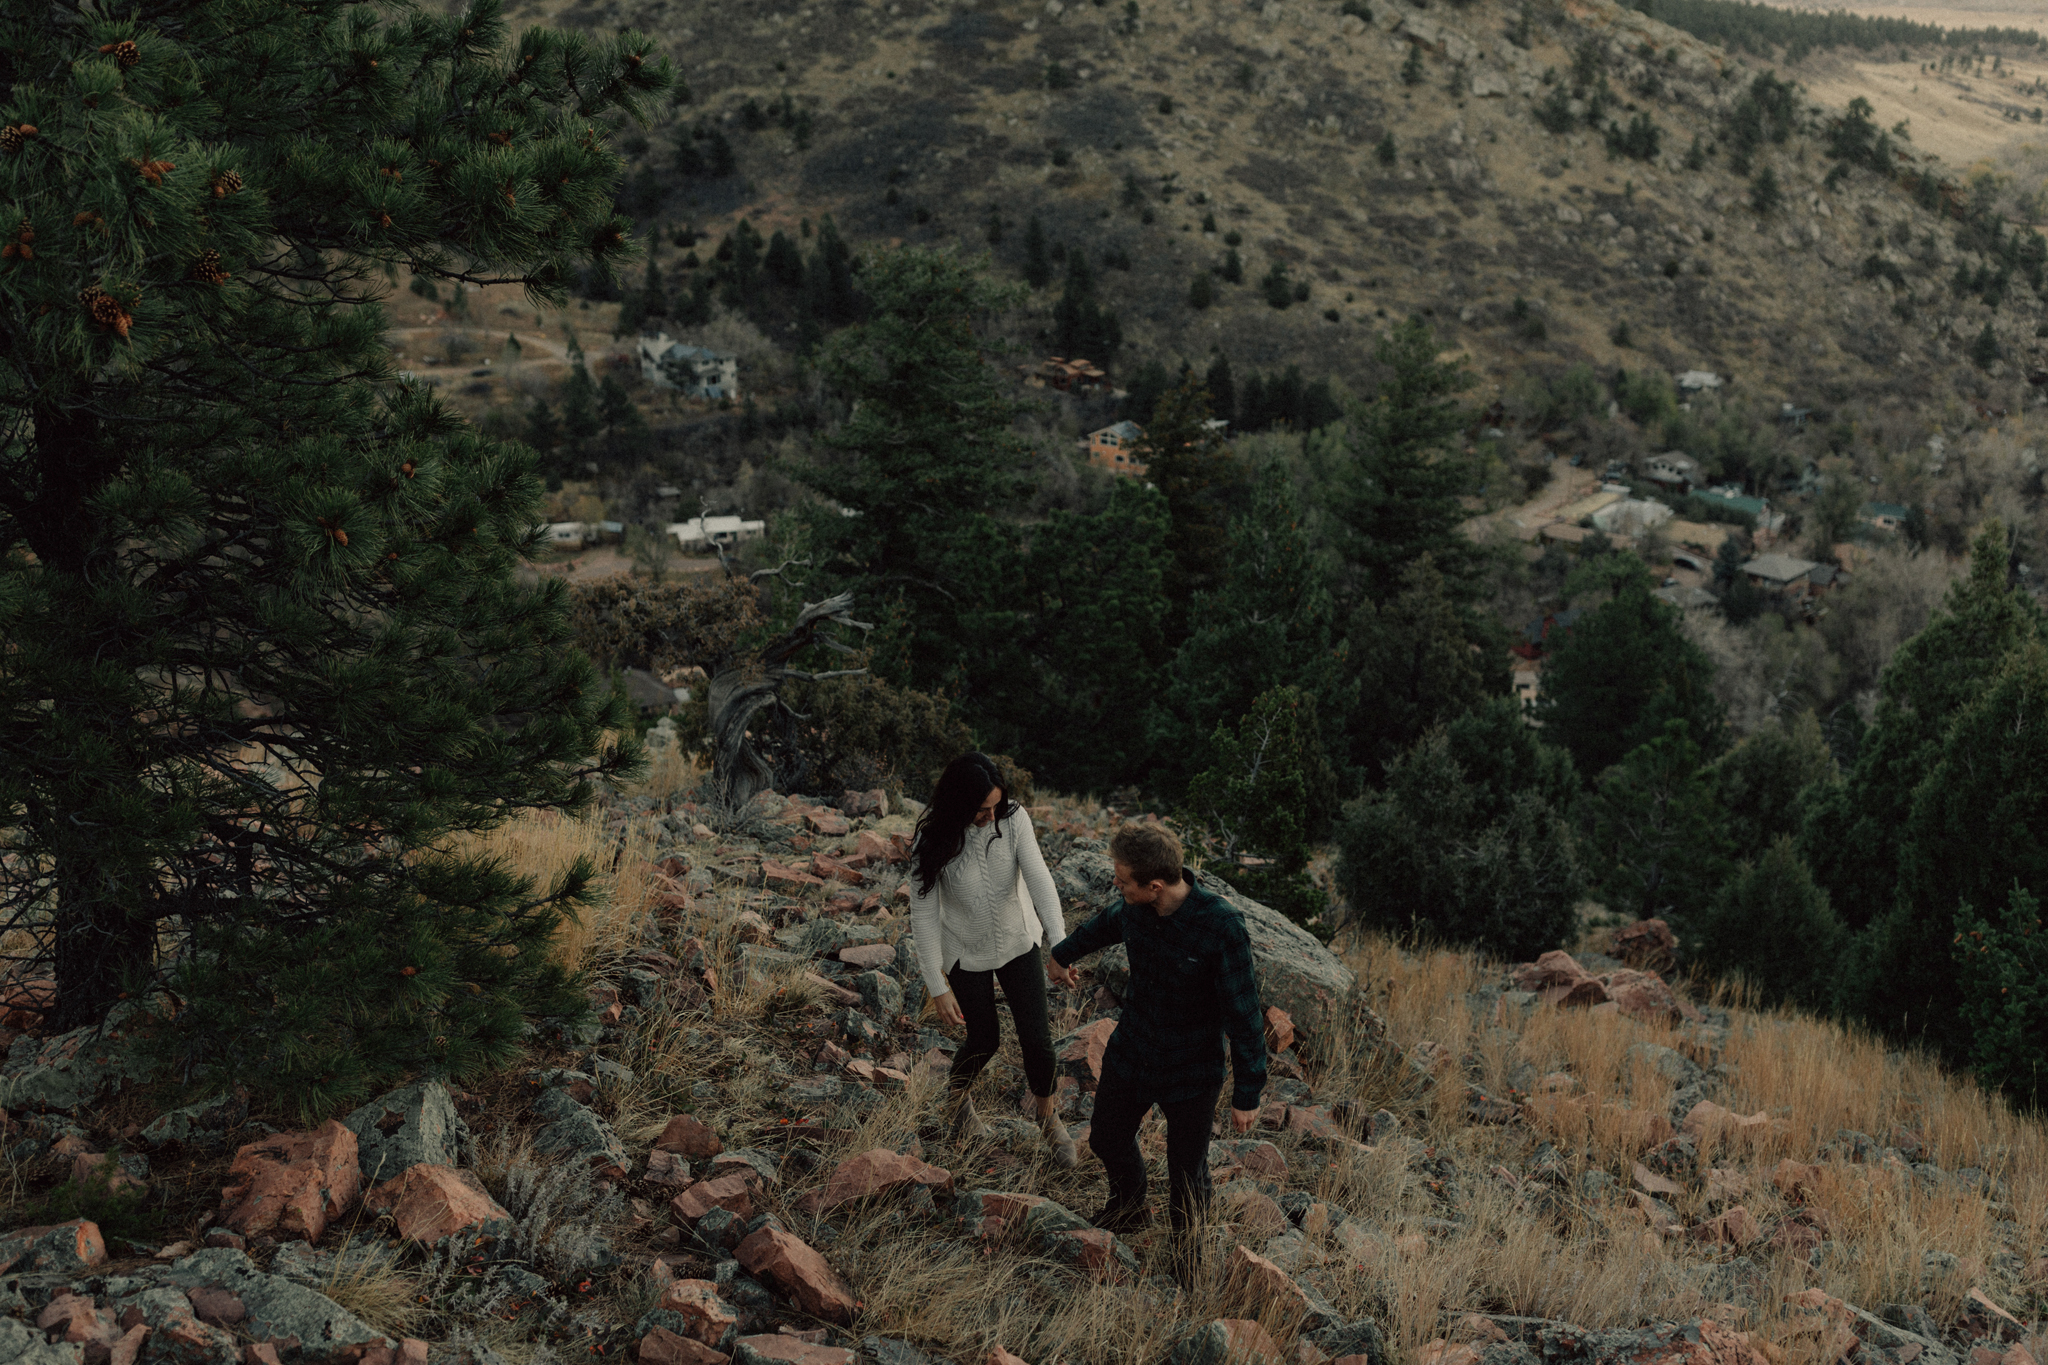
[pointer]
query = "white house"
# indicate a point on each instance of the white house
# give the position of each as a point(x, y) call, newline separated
point(700, 533)
point(694, 370)
point(1631, 517)
point(565, 535)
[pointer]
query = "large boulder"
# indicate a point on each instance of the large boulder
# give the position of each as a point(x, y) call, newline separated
point(66, 1248)
point(303, 1324)
point(415, 1126)
point(797, 1270)
point(71, 1069)
point(429, 1202)
point(874, 1173)
point(1295, 972)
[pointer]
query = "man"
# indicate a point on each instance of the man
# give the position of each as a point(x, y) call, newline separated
point(1191, 981)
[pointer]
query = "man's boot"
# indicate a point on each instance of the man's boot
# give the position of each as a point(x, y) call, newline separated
point(965, 1123)
point(1064, 1151)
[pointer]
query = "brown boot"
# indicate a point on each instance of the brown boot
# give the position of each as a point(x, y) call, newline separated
point(966, 1125)
point(1064, 1152)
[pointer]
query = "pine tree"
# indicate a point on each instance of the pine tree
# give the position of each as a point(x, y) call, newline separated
point(1192, 467)
point(1985, 348)
point(1083, 328)
point(580, 418)
point(267, 652)
point(925, 456)
point(1398, 499)
point(784, 263)
point(1384, 151)
point(1422, 659)
point(1411, 69)
point(1654, 839)
point(1037, 263)
point(1222, 389)
point(1233, 266)
point(1772, 925)
point(831, 297)
point(1200, 292)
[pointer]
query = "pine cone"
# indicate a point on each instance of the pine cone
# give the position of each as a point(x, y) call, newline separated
point(106, 310)
point(125, 53)
point(12, 136)
point(225, 184)
point(208, 269)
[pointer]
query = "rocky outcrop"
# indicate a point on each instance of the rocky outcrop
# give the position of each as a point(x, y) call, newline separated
point(427, 1203)
point(414, 1126)
point(796, 1269)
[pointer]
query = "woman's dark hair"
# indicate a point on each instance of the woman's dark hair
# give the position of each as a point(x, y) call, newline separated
point(942, 829)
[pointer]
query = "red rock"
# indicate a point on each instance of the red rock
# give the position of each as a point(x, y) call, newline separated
point(1709, 1120)
point(1734, 1228)
point(72, 1317)
point(1087, 1248)
point(98, 1170)
point(1646, 995)
point(1306, 1352)
point(430, 1202)
point(128, 1346)
point(1087, 1046)
point(1441, 1352)
point(1583, 993)
point(799, 1272)
point(1264, 1159)
point(1257, 1214)
point(412, 1351)
point(710, 1319)
point(868, 1174)
point(1312, 1120)
point(2019, 1355)
point(827, 868)
point(220, 1307)
point(999, 1356)
point(22, 1006)
point(733, 1190)
point(867, 956)
point(663, 1347)
point(791, 1350)
point(1981, 1317)
point(775, 873)
point(871, 846)
point(1647, 945)
point(1245, 1342)
point(690, 1137)
point(1263, 1284)
point(829, 823)
point(748, 927)
point(259, 1353)
point(1817, 1314)
point(1647, 1179)
point(1724, 1183)
point(1645, 1128)
point(1279, 1029)
point(1554, 971)
point(290, 1184)
point(899, 848)
point(666, 1168)
point(832, 990)
point(1796, 1238)
point(75, 1245)
point(1721, 1345)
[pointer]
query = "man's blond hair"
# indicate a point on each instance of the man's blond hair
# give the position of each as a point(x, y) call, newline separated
point(1151, 851)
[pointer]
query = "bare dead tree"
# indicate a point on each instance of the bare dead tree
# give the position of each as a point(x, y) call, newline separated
point(741, 690)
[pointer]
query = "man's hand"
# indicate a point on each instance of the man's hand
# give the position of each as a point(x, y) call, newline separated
point(1241, 1120)
point(1061, 975)
point(948, 1006)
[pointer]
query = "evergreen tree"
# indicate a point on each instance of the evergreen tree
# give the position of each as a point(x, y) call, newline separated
point(1141, 396)
point(925, 456)
point(1222, 389)
point(1192, 467)
point(1264, 802)
point(1397, 498)
point(1772, 926)
point(1622, 673)
point(267, 650)
point(1985, 348)
point(1268, 623)
point(1233, 266)
point(2002, 970)
point(1411, 69)
point(784, 263)
point(1764, 195)
point(1758, 782)
point(1653, 833)
point(1455, 860)
point(1422, 658)
point(1200, 292)
point(581, 419)
point(1385, 152)
point(1037, 262)
point(831, 296)
point(1083, 328)
point(1252, 412)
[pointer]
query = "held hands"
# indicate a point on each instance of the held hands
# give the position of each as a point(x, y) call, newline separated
point(948, 1006)
point(1241, 1120)
point(1059, 975)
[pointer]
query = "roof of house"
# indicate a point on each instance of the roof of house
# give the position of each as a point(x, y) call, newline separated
point(1125, 430)
point(1822, 575)
point(1537, 631)
point(1779, 568)
point(1756, 507)
point(699, 528)
point(1674, 459)
point(1887, 509)
point(660, 347)
point(1699, 379)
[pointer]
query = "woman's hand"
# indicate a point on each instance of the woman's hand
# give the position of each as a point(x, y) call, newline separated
point(1061, 975)
point(948, 1006)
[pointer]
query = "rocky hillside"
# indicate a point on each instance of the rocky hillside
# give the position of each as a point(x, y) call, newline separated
point(738, 1160)
point(1389, 157)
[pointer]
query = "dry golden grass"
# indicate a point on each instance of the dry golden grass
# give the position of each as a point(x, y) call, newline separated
point(371, 1285)
point(544, 845)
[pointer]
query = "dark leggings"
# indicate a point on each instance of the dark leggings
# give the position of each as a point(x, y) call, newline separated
point(1023, 981)
point(1113, 1137)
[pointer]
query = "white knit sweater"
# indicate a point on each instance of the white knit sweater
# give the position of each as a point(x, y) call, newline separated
point(979, 913)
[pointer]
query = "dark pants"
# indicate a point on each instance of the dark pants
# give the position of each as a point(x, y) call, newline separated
point(1023, 981)
point(1113, 1136)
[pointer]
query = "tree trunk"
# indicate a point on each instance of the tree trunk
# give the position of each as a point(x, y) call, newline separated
point(104, 948)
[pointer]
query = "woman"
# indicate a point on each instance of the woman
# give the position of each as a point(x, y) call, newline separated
point(976, 880)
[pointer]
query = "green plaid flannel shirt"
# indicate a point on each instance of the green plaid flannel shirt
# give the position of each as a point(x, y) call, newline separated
point(1191, 981)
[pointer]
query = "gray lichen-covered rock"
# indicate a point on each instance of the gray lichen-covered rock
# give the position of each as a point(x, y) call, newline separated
point(573, 1130)
point(1295, 972)
point(69, 1070)
point(279, 1310)
point(23, 1345)
point(880, 993)
point(414, 1126)
point(205, 1125)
